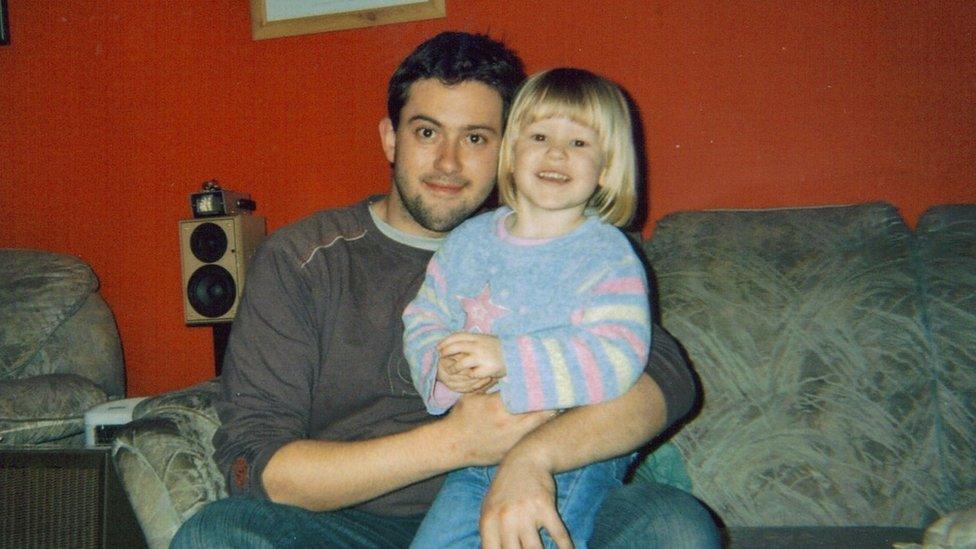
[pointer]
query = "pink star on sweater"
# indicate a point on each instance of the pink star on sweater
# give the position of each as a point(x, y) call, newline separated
point(480, 313)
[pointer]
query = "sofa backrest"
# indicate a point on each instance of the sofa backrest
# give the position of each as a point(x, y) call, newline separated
point(946, 237)
point(804, 326)
point(52, 321)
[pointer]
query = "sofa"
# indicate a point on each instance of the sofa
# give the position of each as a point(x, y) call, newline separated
point(60, 353)
point(835, 350)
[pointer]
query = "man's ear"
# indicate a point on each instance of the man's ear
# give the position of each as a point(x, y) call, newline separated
point(388, 139)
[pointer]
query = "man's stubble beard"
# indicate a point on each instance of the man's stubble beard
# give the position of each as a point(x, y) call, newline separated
point(428, 219)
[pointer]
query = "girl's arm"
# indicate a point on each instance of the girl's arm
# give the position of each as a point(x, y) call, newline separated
point(426, 321)
point(596, 356)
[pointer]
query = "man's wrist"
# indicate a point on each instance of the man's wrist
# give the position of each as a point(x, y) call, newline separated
point(529, 454)
point(453, 451)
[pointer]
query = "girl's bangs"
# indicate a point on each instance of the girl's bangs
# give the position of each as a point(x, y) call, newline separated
point(578, 107)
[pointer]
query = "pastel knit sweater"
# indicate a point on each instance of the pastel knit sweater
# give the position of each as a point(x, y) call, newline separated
point(571, 312)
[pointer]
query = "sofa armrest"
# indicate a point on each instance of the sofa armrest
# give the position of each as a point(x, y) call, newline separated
point(165, 460)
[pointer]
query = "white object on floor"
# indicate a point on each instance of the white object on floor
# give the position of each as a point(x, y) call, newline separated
point(103, 421)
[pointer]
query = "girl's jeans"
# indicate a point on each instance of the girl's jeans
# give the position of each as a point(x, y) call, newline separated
point(452, 520)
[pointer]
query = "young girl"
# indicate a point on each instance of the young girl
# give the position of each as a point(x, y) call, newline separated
point(543, 299)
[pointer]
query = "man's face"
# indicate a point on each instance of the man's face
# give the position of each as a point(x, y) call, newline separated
point(444, 154)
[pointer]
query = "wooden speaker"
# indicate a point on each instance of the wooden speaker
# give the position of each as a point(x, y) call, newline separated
point(214, 253)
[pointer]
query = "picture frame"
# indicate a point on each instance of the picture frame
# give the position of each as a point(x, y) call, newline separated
point(277, 18)
point(4, 24)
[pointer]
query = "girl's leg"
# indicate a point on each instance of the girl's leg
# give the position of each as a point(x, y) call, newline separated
point(452, 520)
point(579, 494)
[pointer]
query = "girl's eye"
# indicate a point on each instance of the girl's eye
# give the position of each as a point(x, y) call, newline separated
point(579, 143)
point(537, 137)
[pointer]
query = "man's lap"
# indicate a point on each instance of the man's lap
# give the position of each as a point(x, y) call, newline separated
point(641, 514)
point(239, 522)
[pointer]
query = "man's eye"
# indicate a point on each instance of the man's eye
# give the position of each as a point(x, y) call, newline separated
point(425, 133)
point(476, 139)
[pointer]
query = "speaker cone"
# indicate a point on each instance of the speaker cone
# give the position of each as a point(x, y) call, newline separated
point(208, 242)
point(211, 289)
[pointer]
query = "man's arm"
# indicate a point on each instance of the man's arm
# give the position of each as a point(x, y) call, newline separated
point(522, 496)
point(323, 475)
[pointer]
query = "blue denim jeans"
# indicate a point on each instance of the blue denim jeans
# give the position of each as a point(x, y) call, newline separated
point(452, 520)
point(238, 522)
point(640, 514)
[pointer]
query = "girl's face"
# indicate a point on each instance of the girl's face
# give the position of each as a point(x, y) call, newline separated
point(556, 165)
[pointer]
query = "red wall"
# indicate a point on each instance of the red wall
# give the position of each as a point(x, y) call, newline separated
point(112, 112)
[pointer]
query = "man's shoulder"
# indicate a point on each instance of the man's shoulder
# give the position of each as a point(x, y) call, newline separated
point(320, 230)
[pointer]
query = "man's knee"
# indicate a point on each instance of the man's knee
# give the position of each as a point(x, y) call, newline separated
point(654, 514)
point(229, 522)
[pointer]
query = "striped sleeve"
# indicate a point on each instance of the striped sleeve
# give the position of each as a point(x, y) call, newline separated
point(426, 321)
point(596, 356)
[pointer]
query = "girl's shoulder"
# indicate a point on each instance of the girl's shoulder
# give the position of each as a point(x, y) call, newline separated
point(599, 231)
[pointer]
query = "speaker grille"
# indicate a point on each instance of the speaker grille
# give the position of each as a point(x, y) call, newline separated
point(208, 242)
point(55, 506)
point(211, 291)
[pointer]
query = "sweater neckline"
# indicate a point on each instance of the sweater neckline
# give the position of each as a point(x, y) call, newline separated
point(501, 231)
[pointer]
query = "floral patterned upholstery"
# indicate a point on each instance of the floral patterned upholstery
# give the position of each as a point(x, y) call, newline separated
point(59, 348)
point(165, 458)
point(947, 259)
point(835, 351)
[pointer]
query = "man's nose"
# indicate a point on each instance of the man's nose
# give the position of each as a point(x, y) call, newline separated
point(447, 157)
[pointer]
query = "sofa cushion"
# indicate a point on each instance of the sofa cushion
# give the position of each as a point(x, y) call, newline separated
point(803, 325)
point(823, 537)
point(946, 237)
point(38, 292)
point(47, 408)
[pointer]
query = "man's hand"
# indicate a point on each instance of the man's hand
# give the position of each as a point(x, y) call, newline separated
point(482, 431)
point(480, 354)
point(521, 500)
point(460, 379)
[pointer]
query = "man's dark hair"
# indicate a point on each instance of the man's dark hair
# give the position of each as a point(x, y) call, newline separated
point(452, 58)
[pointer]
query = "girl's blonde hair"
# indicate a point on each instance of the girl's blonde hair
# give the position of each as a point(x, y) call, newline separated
point(587, 99)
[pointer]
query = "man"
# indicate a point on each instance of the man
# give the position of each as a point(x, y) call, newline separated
point(322, 428)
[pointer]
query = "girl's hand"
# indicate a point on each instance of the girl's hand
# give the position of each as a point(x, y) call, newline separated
point(459, 379)
point(480, 355)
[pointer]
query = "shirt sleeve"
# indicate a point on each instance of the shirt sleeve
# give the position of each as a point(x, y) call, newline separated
point(268, 368)
point(427, 320)
point(669, 369)
point(596, 356)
